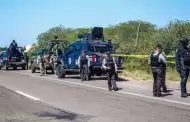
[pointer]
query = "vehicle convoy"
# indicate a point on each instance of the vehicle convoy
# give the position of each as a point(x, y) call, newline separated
point(95, 47)
point(52, 51)
point(13, 57)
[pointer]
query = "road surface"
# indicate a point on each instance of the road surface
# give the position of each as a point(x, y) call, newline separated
point(90, 101)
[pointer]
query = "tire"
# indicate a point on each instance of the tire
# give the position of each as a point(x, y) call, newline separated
point(33, 69)
point(99, 74)
point(0, 68)
point(14, 68)
point(24, 68)
point(52, 71)
point(60, 72)
point(89, 75)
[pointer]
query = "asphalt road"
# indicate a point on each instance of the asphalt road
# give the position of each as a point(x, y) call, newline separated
point(17, 108)
point(90, 100)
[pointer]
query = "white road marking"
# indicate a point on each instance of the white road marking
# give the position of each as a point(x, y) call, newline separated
point(96, 87)
point(26, 95)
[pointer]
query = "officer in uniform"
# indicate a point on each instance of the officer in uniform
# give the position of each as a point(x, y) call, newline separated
point(84, 66)
point(163, 83)
point(110, 66)
point(158, 63)
point(41, 63)
point(26, 58)
point(13, 48)
point(183, 71)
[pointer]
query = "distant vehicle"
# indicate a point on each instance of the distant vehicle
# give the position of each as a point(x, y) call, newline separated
point(52, 55)
point(95, 47)
point(7, 60)
point(1, 60)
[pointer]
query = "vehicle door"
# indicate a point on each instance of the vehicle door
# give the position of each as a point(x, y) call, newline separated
point(77, 53)
point(70, 56)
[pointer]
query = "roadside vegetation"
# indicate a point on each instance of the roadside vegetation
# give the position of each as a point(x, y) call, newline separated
point(124, 36)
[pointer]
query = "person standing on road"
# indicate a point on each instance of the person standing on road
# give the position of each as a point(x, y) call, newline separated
point(84, 66)
point(181, 55)
point(158, 64)
point(26, 59)
point(110, 66)
point(163, 83)
point(41, 63)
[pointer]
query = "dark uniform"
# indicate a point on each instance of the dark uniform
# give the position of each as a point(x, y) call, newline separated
point(182, 68)
point(26, 59)
point(13, 48)
point(110, 67)
point(158, 63)
point(163, 83)
point(41, 64)
point(84, 66)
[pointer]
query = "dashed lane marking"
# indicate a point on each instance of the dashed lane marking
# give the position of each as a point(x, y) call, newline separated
point(26, 95)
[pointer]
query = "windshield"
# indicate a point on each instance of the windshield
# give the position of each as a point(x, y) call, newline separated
point(100, 48)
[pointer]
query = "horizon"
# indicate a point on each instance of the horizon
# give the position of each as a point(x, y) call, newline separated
point(24, 20)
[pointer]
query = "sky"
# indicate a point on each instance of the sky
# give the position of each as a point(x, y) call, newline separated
point(23, 20)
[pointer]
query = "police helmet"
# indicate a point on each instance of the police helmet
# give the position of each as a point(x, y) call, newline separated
point(159, 46)
point(184, 41)
point(84, 51)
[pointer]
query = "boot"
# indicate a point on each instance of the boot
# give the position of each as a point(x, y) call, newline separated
point(184, 95)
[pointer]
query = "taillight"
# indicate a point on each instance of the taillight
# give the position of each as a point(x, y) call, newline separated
point(94, 59)
point(46, 60)
point(9, 59)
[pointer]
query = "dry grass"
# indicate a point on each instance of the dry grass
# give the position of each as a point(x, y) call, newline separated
point(171, 75)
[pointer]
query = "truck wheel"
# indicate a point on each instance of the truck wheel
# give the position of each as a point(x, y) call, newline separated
point(60, 72)
point(99, 74)
point(89, 75)
point(33, 69)
point(0, 68)
point(52, 71)
point(14, 68)
point(24, 68)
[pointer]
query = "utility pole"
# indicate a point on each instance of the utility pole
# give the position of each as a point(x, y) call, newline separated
point(136, 41)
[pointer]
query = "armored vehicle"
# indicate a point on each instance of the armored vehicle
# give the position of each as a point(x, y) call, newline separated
point(95, 47)
point(13, 57)
point(52, 51)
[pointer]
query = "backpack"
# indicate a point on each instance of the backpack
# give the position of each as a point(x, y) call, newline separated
point(155, 59)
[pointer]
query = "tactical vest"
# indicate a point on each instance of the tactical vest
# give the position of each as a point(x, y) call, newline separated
point(84, 60)
point(185, 59)
point(40, 59)
point(155, 60)
point(110, 63)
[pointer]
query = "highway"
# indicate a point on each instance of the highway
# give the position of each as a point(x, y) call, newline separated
point(27, 97)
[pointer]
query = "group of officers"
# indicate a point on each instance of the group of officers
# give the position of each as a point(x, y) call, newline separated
point(157, 61)
point(109, 65)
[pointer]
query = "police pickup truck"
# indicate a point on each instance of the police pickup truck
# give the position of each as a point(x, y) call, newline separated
point(95, 47)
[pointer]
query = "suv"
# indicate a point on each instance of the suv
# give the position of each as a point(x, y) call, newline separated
point(8, 60)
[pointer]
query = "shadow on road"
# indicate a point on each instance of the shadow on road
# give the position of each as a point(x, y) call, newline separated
point(166, 94)
point(58, 115)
